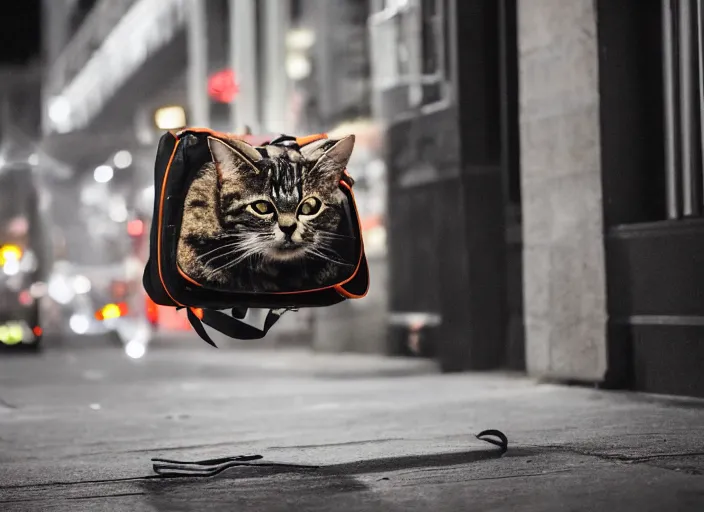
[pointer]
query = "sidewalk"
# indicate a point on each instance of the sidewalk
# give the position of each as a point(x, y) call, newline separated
point(78, 429)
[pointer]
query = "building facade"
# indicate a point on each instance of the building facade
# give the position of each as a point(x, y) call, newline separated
point(20, 111)
point(611, 164)
point(570, 136)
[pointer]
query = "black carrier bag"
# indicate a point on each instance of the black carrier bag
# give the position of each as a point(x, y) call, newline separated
point(239, 226)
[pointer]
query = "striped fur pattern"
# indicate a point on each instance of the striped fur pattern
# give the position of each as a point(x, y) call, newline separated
point(268, 219)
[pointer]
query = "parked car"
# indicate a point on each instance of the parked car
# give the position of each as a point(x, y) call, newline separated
point(23, 258)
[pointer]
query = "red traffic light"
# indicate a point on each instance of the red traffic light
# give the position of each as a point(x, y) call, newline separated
point(223, 87)
point(135, 227)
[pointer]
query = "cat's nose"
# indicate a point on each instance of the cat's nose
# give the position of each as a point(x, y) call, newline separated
point(288, 229)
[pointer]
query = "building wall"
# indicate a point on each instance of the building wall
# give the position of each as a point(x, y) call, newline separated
point(564, 270)
point(19, 110)
point(55, 27)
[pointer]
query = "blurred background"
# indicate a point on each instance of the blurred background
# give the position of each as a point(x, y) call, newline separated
point(529, 173)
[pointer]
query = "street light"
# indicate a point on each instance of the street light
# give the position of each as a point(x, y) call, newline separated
point(79, 323)
point(135, 349)
point(122, 159)
point(118, 210)
point(300, 39)
point(59, 110)
point(298, 66)
point(103, 173)
point(170, 118)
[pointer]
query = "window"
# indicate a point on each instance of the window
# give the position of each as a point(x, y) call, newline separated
point(414, 60)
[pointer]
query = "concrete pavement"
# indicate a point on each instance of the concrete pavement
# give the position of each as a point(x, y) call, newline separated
point(78, 429)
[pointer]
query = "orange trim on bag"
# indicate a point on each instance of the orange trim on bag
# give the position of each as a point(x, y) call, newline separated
point(161, 218)
point(187, 277)
point(198, 312)
point(350, 295)
point(302, 141)
point(337, 287)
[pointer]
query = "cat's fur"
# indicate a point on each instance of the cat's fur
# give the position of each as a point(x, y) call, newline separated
point(267, 219)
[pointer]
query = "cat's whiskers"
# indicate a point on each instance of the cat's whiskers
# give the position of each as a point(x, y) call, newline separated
point(237, 253)
point(247, 254)
point(318, 254)
point(220, 248)
point(252, 245)
point(325, 246)
point(333, 236)
point(246, 239)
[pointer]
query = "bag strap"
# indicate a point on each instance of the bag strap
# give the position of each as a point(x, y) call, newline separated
point(231, 326)
point(282, 140)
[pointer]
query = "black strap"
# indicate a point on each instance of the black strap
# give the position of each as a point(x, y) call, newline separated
point(198, 327)
point(486, 435)
point(239, 313)
point(168, 468)
point(232, 326)
point(282, 139)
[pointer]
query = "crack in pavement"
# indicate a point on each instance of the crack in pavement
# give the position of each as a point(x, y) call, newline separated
point(627, 458)
point(73, 498)
point(99, 496)
point(80, 482)
point(649, 460)
point(505, 477)
point(348, 443)
point(7, 405)
point(646, 458)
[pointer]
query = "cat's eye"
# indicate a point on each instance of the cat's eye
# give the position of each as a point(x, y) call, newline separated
point(310, 206)
point(263, 207)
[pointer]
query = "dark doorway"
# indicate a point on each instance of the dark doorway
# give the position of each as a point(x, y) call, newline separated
point(651, 81)
point(454, 192)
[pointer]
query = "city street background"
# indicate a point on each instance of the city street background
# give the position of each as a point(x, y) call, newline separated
point(529, 179)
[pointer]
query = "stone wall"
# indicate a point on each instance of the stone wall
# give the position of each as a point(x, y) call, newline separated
point(564, 274)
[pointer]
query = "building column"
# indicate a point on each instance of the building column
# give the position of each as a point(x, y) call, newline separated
point(244, 55)
point(561, 190)
point(277, 14)
point(55, 35)
point(198, 103)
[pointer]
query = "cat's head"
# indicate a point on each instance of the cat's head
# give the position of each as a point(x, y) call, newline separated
point(282, 204)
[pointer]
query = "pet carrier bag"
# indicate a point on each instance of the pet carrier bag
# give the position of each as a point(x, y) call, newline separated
point(238, 226)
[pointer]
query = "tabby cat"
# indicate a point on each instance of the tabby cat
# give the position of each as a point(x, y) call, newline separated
point(268, 219)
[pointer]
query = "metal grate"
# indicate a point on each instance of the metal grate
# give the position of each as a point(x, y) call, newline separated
point(683, 74)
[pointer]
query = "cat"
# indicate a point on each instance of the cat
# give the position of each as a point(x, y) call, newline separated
point(267, 219)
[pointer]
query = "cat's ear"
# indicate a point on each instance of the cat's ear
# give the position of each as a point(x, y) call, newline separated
point(246, 150)
point(332, 163)
point(233, 156)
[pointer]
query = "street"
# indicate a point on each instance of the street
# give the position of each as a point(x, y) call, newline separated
point(78, 429)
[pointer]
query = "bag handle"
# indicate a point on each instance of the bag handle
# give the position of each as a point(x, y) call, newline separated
point(231, 326)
